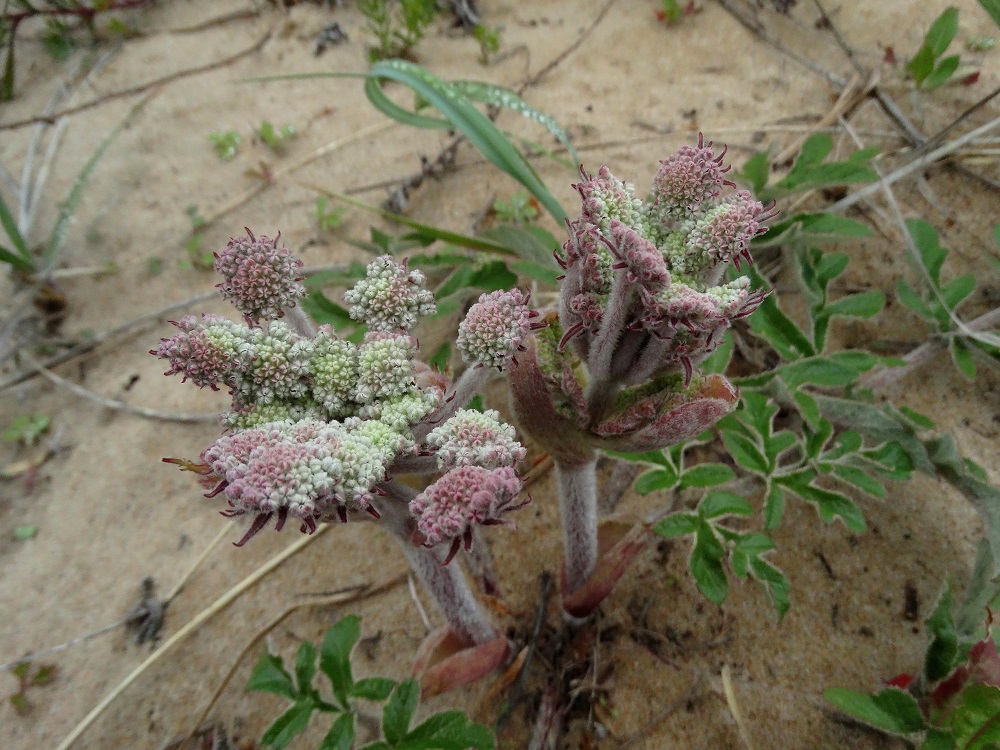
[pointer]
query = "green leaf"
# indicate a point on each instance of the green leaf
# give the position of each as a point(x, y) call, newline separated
point(863, 305)
point(993, 8)
point(498, 96)
point(957, 290)
point(649, 457)
point(745, 453)
point(658, 479)
point(776, 583)
point(938, 739)
point(451, 730)
point(270, 676)
point(831, 505)
point(441, 357)
point(8, 256)
point(291, 723)
point(718, 361)
point(821, 371)
point(892, 710)
point(676, 524)
point(341, 734)
point(706, 566)
point(963, 359)
point(909, 297)
point(975, 718)
point(774, 507)
point(706, 475)
point(528, 243)
point(940, 658)
point(398, 712)
point(538, 272)
point(335, 655)
point(942, 72)
point(305, 666)
point(942, 31)
point(860, 479)
point(756, 171)
point(717, 503)
point(778, 329)
point(325, 311)
point(463, 116)
point(925, 237)
point(373, 688)
point(24, 532)
point(14, 234)
point(68, 207)
point(921, 64)
point(807, 408)
point(746, 547)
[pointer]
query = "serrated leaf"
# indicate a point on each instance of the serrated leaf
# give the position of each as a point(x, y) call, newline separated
point(706, 475)
point(860, 479)
point(676, 524)
point(270, 676)
point(892, 710)
point(863, 305)
point(284, 729)
point(305, 666)
point(451, 730)
point(717, 503)
point(744, 452)
point(335, 655)
point(398, 712)
point(942, 32)
point(963, 359)
point(373, 688)
point(657, 479)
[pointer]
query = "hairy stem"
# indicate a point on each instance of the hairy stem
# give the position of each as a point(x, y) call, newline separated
point(578, 513)
point(446, 584)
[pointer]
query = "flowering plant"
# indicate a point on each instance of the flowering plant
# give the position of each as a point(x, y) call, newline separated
point(319, 426)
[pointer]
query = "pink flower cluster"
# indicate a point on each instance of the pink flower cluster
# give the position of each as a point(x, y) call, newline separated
point(495, 327)
point(463, 498)
point(391, 297)
point(205, 351)
point(259, 277)
point(474, 438)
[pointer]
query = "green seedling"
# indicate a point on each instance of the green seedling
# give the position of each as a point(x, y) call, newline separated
point(397, 26)
point(226, 144)
point(937, 302)
point(929, 68)
point(197, 256)
point(329, 217)
point(29, 677)
point(521, 209)
point(449, 730)
point(27, 429)
point(489, 41)
point(275, 139)
point(25, 532)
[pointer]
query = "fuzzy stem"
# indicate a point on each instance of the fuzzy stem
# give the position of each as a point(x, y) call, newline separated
point(446, 584)
point(578, 513)
point(300, 322)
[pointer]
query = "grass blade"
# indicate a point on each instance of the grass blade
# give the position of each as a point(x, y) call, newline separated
point(10, 227)
point(68, 208)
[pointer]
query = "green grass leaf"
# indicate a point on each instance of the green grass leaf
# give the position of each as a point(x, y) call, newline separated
point(14, 234)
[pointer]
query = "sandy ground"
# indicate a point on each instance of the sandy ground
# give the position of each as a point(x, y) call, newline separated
point(110, 513)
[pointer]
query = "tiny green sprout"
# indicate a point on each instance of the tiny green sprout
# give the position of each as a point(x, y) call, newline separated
point(489, 41)
point(397, 27)
point(672, 12)
point(274, 138)
point(27, 429)
point(24, 532)
point(197, 256)
point(329, 218)
point(520, 209)
point(56, 40)
point(226, 143)
point(980, 43)
point(28, 678)
point(928, 67)
point(154, 266)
